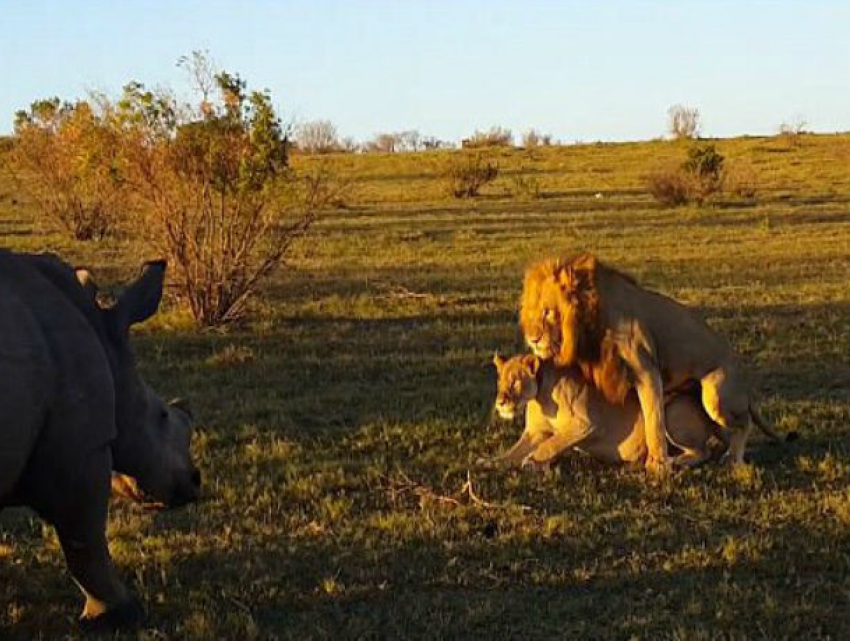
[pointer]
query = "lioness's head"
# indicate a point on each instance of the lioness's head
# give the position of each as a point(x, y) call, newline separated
point(558, 309)
point(516, 383)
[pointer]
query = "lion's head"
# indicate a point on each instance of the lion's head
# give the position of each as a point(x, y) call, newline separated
point(559, 309)
point(560, 318)
point(516, 383)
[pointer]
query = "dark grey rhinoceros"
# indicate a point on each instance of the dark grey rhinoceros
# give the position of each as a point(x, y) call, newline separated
point(73, 409)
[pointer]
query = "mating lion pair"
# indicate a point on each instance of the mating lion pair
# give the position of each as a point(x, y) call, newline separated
point(596, 336)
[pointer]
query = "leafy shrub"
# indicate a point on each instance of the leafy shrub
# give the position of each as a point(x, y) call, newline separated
point(466, 174)
point(67, 158)
point(216, 193)
point(698, 178)
point(705, 166)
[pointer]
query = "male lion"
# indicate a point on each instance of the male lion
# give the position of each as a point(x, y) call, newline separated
point(563, 411)
point(621, 336)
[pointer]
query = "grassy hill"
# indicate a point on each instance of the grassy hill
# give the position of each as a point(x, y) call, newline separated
point(338, 429)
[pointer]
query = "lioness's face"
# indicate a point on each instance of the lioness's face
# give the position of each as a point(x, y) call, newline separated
point(516, 384)
point(540, 318)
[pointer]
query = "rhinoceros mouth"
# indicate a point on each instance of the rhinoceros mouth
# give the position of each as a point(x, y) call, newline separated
point(128, 488)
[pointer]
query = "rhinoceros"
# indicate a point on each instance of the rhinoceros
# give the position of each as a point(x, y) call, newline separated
point(73, 409)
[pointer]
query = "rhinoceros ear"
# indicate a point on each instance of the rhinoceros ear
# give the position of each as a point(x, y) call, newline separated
point(183, 405)
point(141, 298)
point(85, 279)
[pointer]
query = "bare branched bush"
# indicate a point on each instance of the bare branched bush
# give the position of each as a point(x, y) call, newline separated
point(467, 173)
point(532, 138)
point(317, 137)
point(66, 158)
point(683, 122)
point(349, 145)
point(432, 142)
point(496, 136)
point(386, 143)
point(670, 186)
point(215, 190)
point(791, 132)
point(795, 127)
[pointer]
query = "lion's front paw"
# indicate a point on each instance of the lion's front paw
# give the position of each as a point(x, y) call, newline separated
point(659, 466)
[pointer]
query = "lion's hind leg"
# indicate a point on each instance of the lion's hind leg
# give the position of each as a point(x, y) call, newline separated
point(727, 403)
point(689, 429)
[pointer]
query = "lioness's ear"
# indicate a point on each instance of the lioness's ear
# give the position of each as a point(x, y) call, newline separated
point(533, 364)
point(141, 298)
point(498, 361)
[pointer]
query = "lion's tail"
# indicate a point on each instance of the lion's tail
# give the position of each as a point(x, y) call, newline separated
point(765, 427)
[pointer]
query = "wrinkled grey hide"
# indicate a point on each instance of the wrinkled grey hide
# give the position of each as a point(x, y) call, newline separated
point(73, 409)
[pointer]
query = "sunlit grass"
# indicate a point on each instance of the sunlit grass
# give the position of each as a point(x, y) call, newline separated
point(338, 428)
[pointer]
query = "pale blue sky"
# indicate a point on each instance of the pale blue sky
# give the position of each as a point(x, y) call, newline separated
point(602, 70)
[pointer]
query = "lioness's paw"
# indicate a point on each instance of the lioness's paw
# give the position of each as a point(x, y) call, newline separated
point(486, 463)
point(529, 462)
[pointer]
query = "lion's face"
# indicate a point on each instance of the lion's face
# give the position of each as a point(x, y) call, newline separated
point(516, 383)
point(546, 312)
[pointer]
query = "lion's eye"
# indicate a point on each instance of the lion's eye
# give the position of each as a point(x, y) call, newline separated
point(548, 315)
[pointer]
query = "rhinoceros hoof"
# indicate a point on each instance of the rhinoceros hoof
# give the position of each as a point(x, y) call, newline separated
point(125, 615)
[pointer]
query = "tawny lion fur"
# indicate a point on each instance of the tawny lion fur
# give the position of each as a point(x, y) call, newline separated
point(621, 336)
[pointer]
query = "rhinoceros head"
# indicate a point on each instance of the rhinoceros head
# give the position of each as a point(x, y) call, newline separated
point(151, 452)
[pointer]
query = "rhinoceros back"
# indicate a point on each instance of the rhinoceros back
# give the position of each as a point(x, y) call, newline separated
point(56, 392)
point(24, 381)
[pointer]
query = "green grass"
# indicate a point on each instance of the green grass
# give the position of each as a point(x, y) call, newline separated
point(337, 430)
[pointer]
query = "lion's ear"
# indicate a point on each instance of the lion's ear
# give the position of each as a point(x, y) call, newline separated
point(498, 361)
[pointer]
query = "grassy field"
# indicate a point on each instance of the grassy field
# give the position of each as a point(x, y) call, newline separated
point(338, 430)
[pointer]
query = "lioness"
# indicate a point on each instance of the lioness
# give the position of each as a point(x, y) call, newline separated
point(623, 337)
point(563, 411)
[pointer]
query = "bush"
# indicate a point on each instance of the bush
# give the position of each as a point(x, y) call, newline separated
point(683, 122)
point(317, 137)
point(705, 166)
point(67, 158)
point(494, 137)
point(466, 174)
point(216, 193)
point(698, 178)
point(532, 138)
point(670, 186)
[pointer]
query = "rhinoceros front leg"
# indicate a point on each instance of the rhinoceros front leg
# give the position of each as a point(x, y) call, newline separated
point(81, 527)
